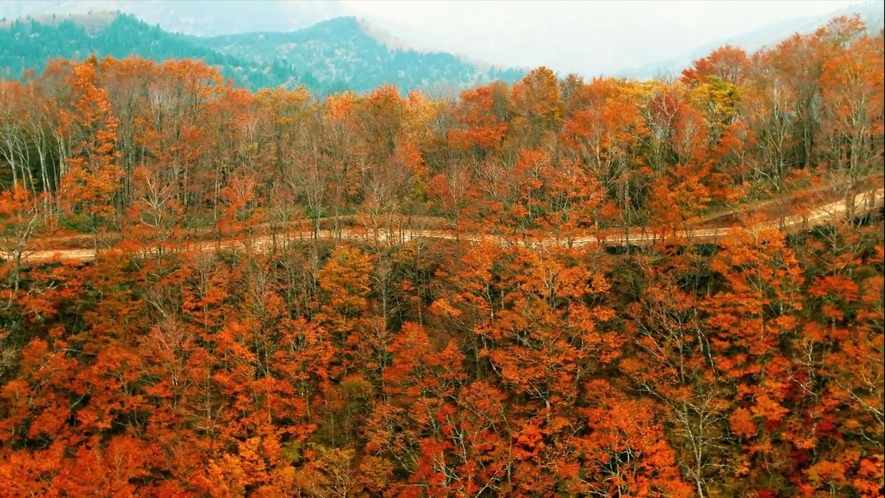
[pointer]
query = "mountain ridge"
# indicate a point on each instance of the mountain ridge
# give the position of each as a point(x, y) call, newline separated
point(193, 17)
point(343, 53)
point(324, 48)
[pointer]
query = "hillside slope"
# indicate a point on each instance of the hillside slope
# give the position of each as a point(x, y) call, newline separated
point(193, 17)
point(31, 44)
point(329, 57)
point(345, 49)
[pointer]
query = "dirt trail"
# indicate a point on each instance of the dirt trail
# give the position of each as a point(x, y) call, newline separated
point(863, 203)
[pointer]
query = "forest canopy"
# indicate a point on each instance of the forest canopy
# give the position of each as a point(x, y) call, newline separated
point(381, 312)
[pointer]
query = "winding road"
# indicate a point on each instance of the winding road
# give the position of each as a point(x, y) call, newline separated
point(862, 203)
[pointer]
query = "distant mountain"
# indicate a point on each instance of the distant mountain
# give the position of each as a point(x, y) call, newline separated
point(331, 56)
point(349, 50)
point(194, 17)
point(30, 45)
point(871, 12)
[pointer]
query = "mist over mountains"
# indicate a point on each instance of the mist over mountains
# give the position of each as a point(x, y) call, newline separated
point(342, 53)
point(328, 46)
point(194, 17)
point(872, 13)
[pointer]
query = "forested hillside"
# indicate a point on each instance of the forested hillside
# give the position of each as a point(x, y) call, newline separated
point(341, 49)
point(193, 17)
point(480, 364)
point(32, 44)
point(331, 57)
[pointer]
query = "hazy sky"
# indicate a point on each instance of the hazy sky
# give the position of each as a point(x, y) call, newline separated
point(589, 36)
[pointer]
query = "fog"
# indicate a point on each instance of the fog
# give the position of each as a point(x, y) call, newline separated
point(587, 37)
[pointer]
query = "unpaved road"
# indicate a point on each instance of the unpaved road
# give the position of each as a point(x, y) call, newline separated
point(863, 203)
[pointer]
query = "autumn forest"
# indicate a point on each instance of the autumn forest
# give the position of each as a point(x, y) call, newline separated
point(560, 287)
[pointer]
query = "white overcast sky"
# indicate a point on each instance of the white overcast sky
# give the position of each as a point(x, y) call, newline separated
point(583, 36)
